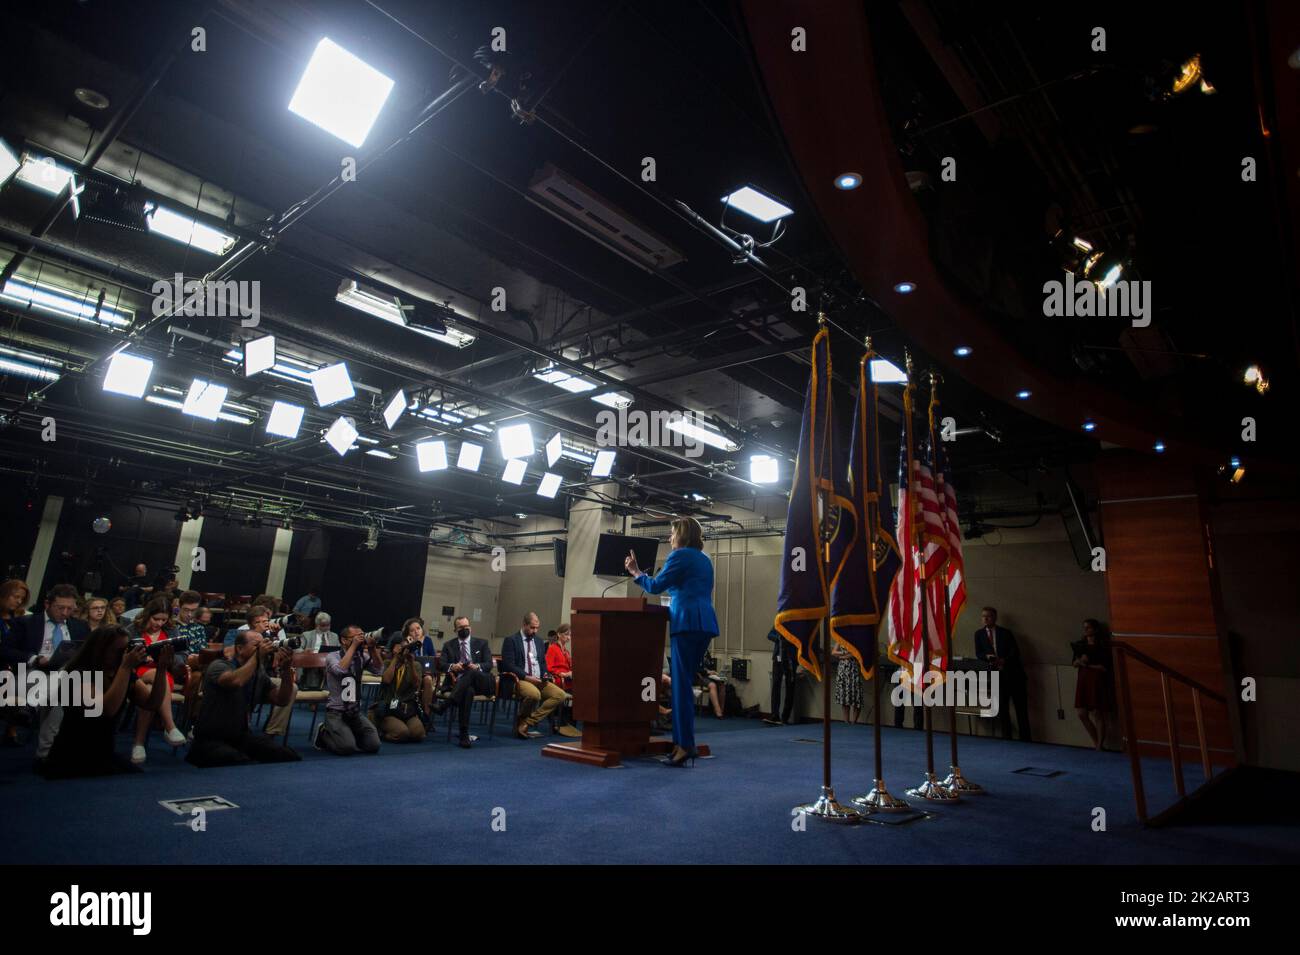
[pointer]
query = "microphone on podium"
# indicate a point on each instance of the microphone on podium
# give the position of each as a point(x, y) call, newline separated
point(612, 586)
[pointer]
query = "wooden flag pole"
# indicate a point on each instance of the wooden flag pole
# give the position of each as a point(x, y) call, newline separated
point(825, 806)
point(880, 799)
point(931, 789)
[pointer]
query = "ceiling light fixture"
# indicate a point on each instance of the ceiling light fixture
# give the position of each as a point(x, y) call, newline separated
point(187, 231)
point(285, 419)
point(516, 441)
point(764, 469)
point(128, 375)
point(431, 456)
point(604, 464)
point(554, 450)
point(848, 180)
point(332, 384)
point(259, 355)
point(470, 456)
point(204, 399)
point(395, 409)
point(756, 204)
point(515, 471)
point(341, 435)
point(340, 93)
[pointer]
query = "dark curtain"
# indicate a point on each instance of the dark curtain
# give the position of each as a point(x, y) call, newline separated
point(372, 588)
point(238, 558)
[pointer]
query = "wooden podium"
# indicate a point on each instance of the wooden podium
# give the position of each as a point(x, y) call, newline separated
point(618, 643)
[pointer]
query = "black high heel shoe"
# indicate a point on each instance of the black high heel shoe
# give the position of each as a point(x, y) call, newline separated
point(679, 757)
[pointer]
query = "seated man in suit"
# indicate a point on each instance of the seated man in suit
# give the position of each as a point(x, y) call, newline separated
point(467, 660)
point(37, 639)
point(996, 645)
point(523, 656)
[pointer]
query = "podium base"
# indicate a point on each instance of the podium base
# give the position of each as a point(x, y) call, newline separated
point(607, 758)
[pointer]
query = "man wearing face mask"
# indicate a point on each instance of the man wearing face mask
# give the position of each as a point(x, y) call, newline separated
point(467, 659)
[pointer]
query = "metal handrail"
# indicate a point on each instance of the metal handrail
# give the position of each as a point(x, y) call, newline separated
point(1199, 690)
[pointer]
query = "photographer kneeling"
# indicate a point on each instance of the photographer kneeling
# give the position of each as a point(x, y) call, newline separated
point(407, 693)
point(107, 666)
point(346, 730)
point(231, 688)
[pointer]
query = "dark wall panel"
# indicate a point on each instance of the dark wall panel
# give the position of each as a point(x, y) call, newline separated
point(238, 558)
point(20, 511)
point(139, 534)
point(372, 588)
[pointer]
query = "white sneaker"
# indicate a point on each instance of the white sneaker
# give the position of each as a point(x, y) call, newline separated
point(138, 755)
point(175, 737)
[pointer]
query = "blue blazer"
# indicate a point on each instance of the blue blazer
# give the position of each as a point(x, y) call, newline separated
point(687, 575)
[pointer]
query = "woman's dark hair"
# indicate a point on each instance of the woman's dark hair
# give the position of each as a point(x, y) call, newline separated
point(406, 627)
point(1098, 628)
point(156, 606)
point(689, 532)
point(93, 654)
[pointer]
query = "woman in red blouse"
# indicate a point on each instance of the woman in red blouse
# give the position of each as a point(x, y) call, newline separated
point(559, 657)
point(150, 626)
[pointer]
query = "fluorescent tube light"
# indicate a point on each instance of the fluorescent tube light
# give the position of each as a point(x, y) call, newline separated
point(687, 425)
point(187, 231)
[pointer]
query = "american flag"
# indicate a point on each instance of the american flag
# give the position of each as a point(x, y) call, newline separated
point(955, 572)
point(921, 538)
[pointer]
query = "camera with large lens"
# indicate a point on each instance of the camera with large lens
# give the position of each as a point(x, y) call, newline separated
point(155, 649)
point(289, 642)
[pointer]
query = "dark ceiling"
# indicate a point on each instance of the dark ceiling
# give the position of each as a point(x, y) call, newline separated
point(445, 217)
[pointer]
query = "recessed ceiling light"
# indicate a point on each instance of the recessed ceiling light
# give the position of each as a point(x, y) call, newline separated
point(962, 351)
point(92, 98)
point(1090, 425)
point(1159, 447)
point(340, 93)
point(341, 436)
point(848, 180)
point(1023, 393)
point(905, 288)
point(285, 419)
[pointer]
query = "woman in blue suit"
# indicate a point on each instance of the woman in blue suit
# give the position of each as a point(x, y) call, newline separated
point(687, 575)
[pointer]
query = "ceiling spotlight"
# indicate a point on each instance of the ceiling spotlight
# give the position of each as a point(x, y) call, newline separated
point(1090, 425)
point(554, 449)
point(764, 469)
point(431, 456)
point(905, 288)
point(1237, 475)
point(394, 409)
point(332, 384)
point(340, 93)
point(1254, 375)
point(128, 375)
point(1023, 393)
point(603, 466)
point(470, 456)
point(92, 98)
point(962, 351)
point(848, 180)
point(1159, 447)
point(516, 441)
point(550, 485)
point(754, 203)
point(885, 372)
point(285, 419)
point(1190, 76)
point(204, 399)
point(341, 435)
point(515, 471)
point(259, 355)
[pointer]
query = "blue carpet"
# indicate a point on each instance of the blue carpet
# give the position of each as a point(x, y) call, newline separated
point(433, 801)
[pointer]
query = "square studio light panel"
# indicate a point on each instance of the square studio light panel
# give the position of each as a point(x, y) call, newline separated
point(341, 436)
point(394, 409)
point(340, 93)
point(754, 203)
point(332, 384)
point(128, 375)
point(550, 485)
point(284, 420)
point(604, 464)
point(431, 456)
point(470, 456)
point(516, 441)
point(204, 399)
point(554, 449)
point(259, 355)
point(515, 471)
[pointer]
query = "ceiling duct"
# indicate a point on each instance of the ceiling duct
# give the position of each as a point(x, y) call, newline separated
point(570, 201)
